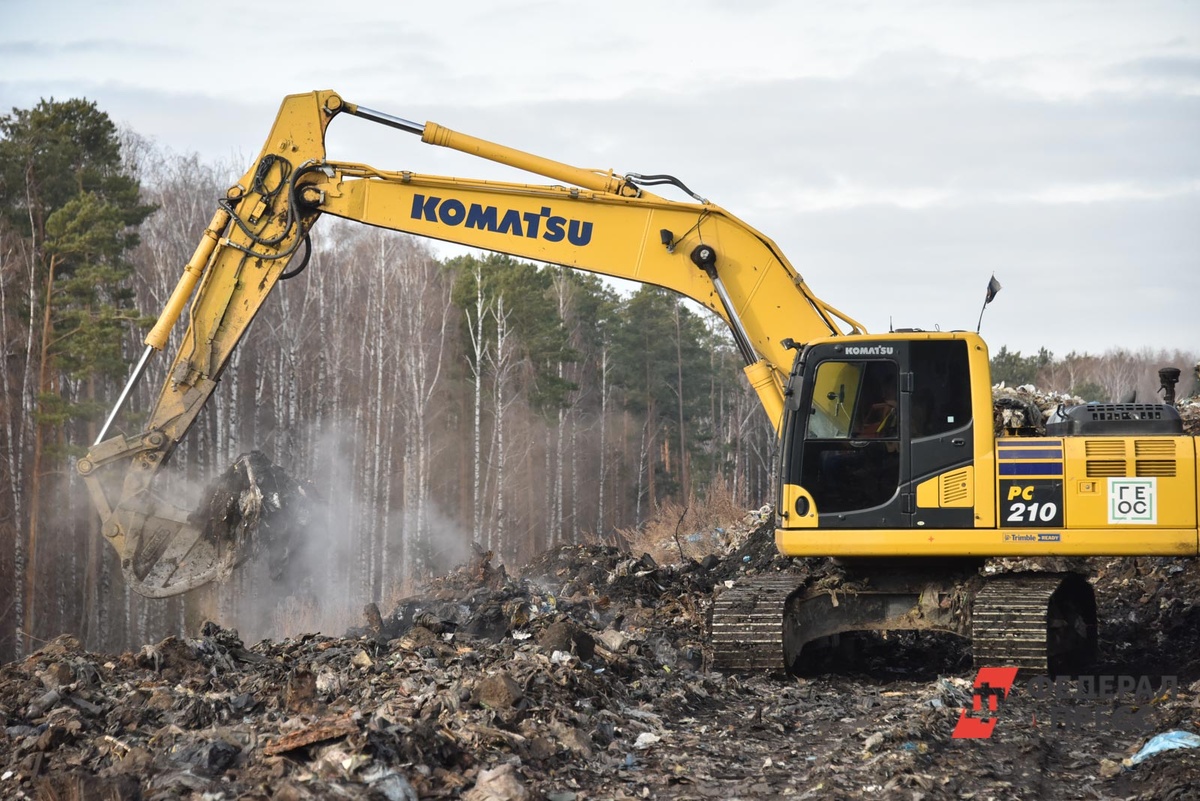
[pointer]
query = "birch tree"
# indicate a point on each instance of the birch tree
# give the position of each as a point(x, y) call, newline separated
point(412, 322)
point(477, 355)
point(503, 363)
point(62, 189)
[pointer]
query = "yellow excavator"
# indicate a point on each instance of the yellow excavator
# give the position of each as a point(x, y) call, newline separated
point(890, 456)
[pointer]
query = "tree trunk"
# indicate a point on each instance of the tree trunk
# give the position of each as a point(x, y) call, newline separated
point(500, 377)
point(18, 414)
point(479, 350)
point(572, 516)
point(35, 484)
point(685, 479)
point(92, 601)
point(600, 523)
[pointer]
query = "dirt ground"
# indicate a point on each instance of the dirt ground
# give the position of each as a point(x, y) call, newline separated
point(585, 678)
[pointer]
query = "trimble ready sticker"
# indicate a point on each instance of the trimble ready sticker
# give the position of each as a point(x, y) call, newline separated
point(1133, 500)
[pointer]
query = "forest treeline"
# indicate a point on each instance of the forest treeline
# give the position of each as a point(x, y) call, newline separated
point(432, 403)
point(1117, 375)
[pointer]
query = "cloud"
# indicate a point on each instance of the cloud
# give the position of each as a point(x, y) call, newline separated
point(40, 49)
point(1181, 72)
point(1083, 277)
point(898, 156)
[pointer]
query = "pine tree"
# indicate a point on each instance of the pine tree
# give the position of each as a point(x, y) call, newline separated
point(663, 365)
point(63, 192)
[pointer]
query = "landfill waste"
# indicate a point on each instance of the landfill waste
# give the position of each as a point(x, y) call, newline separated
point(1023, 410)
point(583, 675)
point(1189, 410)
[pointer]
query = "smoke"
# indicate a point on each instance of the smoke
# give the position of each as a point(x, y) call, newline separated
point(446, 544)
point(347, 543)
point(312, 585)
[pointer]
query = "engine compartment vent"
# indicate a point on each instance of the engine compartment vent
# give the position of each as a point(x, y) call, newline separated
point(1114, 420)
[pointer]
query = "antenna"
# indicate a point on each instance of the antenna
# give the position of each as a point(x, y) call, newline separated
point(992, 288)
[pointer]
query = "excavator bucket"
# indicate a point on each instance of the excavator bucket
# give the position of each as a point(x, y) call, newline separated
point(254, 509)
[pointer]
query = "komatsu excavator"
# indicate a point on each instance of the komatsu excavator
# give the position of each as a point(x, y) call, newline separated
point(889, 456)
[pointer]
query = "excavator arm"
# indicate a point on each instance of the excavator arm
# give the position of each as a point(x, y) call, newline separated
point(596, 221)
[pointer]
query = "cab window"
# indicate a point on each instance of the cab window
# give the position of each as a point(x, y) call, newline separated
point(854, 400)
point(941, 399)
point(851, 457)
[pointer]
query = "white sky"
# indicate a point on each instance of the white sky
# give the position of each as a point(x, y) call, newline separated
point(898, 152)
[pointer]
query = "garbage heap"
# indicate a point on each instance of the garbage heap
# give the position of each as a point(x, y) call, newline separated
point(1189, 410)
point(487, 686)
point(582, 678)
point(585, 677)
point(1023, 410)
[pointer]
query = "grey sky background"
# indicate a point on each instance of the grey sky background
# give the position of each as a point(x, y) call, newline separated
point(898, 152)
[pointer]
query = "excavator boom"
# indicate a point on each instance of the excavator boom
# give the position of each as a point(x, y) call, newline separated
point(597, 221)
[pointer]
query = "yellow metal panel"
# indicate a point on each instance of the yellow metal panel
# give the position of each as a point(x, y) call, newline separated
point(985, 436)
point(1130, 483)
point(929, 493)
point(787, 507)
point(921, 542)
point(956, 489)
point(951, 490)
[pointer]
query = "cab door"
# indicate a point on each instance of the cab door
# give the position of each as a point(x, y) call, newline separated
point(846, 446)
point(939, 433)
point(874, 422)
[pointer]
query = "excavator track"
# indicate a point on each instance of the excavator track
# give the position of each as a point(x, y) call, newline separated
point(1038, 622)
point(1041, 623)
point(747, 624)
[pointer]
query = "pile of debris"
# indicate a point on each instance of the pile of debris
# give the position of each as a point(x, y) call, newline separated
point(585, 678)
point(1189, 410)
point(1023, 410)
point(682, 538)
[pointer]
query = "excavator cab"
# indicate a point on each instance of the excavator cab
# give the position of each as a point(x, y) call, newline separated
point(868, 423)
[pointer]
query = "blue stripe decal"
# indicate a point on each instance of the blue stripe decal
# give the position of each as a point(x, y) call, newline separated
point(1031, 468)
point(1024, 443)
point(1048, 453)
